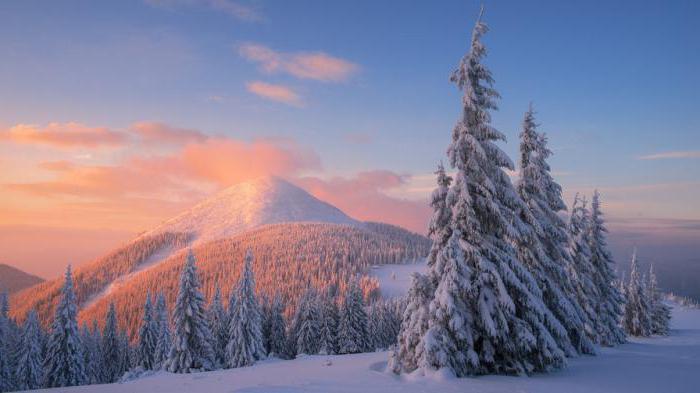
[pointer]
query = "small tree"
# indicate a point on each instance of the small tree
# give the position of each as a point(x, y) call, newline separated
point(329, 326)
point(306, 326)
point(277, 329)
point(163, 343)
point(636, 321)
point(660, 312)
point(218, 321)
point(148, 337)
point(112, 356)
point(29, 372)
point(353, 336)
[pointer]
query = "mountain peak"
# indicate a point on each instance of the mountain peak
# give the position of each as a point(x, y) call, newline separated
point(250, 204)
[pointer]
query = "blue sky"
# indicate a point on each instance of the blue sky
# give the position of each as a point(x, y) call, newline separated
point(612, 81)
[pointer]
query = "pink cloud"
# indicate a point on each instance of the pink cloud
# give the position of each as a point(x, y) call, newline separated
point(156, 133)
point(318, 66)
point(364, 197)
point(64, 135)
point(277, 93)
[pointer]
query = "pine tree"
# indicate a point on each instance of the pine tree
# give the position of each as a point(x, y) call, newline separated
point(637, 320)
point(609, 303)
point(112, 356)
point(306, 329)
point(328, 326)
point(245, 344)
point(550, 262)
point(148, 337)
point(191, 349)
point(29, 372)
point(163, 342)
point(218, 321)
point(353, 335)
point(63, 364)
point(277, 329)
point(660, 312)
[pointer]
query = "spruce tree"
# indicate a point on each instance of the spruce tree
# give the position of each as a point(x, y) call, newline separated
point(636, 320)
point(660, 312)
point(112, 351)
point(329, 326)
point(550, 262)
point(163, 342)
point(63, 364)
point(306, 326)
point(191, 349)
point(92, 343)
point(6, 366)
point(609, 303)
point(353, 334)
point(245, 344)
point(148, 337)
point(277, 329)
point(29, 373)
point(218, 322)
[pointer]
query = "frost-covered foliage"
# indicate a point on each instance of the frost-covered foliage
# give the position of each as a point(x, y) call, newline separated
point(63, 362)
point(549, 259)
point(608, 306)
point(95, 277)
point(409, 351)
point(353, 336)
point(306, 325)
point(92, 352)
point(218, 319)
point(276, 329)
point(148, 337)
point(660, 312)
point(113, 357)
point(164, 342)
point(384, 323)
point(637, 316)
point(191, 349)
point(328, 343)
point(245, 344)
point(6, 366)
point(29, 372)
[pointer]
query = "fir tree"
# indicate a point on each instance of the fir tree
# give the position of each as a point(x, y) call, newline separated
point(306, 324)
point(191, 349)
point(637, 320)
point(29, 373)
point(6, 366)
point(218, 322)
point(277, 329)
point(148, 337)
point(63, 364)
point(549, 262)
point(609, 303)
point(660, 312)
point(112, 356)
point(92, 340)
point(163, 343)
point(245, 344)
point(329, 326)
point(353, 336)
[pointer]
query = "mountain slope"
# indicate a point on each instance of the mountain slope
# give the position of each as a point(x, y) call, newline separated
point(13, 279)
point(244, 206)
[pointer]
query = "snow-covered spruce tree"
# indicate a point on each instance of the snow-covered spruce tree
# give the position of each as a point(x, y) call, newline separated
point(63, 363)
point(148, 337)
point(112, 351)
point(92, 353)
point(439, 228)
point(549, 262)
point(245, 344)
point(609, 305)
point(277, 339)
point(163, 343)
point(353, 336)
point(636, 320)
point(329, 326)
point(660, 312)
point(29, 372)
point(582, 271)
point(6, 366)
point(306, 324)
point(191, 349)
point(218, 322)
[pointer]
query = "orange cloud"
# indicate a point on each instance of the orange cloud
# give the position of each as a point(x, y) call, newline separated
point(160, 133)
point(277, 93)
point(305, 65)
point(64, 135)
point(364, 197)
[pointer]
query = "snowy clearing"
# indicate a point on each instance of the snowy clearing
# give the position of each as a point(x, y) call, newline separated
point(658, 364)
point(394, 279)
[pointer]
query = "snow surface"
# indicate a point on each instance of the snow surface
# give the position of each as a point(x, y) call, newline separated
point(244, 206)
point(657, 364)
point(394, 279)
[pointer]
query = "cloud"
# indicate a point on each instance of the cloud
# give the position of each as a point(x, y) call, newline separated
point(304, 65)
point(273, 92)
point(364, 197)
point(671, 155)
point(160, 133)
point(232, 8)
point(64, 135)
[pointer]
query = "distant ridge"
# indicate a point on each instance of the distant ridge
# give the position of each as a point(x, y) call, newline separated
point(13, 279)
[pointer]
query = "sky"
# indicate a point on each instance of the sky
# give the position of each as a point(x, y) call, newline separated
point(117, 115)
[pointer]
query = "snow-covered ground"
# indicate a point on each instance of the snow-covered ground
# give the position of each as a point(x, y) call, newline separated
point(658, 364)
point(394, 279)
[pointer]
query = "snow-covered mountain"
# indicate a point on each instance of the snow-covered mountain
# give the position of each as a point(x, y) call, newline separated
point(248, 205)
